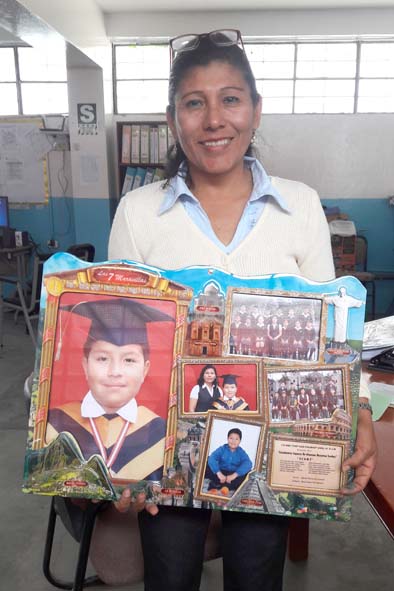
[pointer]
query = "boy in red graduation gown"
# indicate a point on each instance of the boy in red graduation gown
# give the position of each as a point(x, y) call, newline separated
point(130, 438)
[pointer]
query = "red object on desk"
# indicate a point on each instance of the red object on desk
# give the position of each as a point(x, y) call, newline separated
point(380, 489)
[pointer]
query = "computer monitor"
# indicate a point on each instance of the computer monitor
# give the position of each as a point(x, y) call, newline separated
point(4, 213)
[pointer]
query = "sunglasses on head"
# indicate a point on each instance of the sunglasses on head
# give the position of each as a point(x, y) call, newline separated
point(190, 41)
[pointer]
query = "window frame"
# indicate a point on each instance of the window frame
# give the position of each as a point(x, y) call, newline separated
point(359, 42)
point(19, 82)
point(115, 80)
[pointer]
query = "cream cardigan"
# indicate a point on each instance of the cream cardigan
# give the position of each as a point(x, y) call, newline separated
point(281, 242)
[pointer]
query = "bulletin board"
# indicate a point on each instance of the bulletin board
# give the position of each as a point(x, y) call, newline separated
point(24, 160)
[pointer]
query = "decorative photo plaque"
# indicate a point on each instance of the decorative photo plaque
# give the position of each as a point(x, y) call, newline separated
point(198, 387)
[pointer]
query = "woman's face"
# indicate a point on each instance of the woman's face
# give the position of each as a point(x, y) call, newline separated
point(214, 118)
point(209, 376)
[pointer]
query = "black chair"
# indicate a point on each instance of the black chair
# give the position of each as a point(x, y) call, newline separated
point(360, 270)
point(84, 251)
point(367, 278)
point(78, 521)
point(80, 524)
point(26, 298)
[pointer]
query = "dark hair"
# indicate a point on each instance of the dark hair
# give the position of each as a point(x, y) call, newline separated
point(90, 342)
point(203, 55)
point(201, 381)
point(236, 431)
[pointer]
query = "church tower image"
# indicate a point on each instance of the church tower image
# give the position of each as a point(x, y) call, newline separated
point(205, 330)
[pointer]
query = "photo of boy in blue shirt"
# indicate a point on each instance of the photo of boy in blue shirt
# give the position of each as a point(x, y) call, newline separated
point(229, 464)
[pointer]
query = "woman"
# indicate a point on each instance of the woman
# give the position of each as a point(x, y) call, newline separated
point(205, 393)
point(219, 208)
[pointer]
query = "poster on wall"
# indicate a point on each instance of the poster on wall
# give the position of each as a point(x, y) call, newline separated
point(199, 388)
point(24, 160)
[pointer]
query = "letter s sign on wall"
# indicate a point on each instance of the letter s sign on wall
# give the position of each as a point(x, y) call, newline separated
point(87, 118)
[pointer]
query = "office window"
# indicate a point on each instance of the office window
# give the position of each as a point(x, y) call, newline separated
point(8, 92)
point(292, 77)
point(376, 86)
point(42, 65)
point(273, 68)
point(43, 76)
point(326, 60)
point(32, 81)
point(141, 78)
point(44, 98)
point(9, 99)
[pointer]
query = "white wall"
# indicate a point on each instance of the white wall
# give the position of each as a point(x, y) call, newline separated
point(372, 21)
point(85, 85)
point(339, 155)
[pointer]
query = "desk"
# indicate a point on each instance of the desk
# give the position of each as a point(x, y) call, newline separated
point(386, 276)
point(379, 490)
point(13, 270)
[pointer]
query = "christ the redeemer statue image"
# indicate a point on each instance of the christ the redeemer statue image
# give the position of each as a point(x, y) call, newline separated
point(342, 302)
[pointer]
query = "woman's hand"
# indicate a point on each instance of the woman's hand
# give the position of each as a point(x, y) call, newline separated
point(363, 460)
point(138, 503)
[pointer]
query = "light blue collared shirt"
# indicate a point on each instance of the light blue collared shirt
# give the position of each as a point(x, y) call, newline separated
point(262, 190)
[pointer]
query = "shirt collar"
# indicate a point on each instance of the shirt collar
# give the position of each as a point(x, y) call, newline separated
point(262, 187)
point(90, 408)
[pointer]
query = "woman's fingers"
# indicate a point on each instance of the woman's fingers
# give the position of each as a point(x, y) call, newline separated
point(123, 504)
point(363, 461)
point(138, 503)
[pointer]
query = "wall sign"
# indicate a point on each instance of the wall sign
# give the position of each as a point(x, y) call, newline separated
point(87, 118)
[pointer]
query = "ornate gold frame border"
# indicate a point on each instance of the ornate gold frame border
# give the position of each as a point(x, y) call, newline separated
point(343, 369)
point(183, 361)
point(236, 418)
point(279, 294)
point(342, 477)
point(116, 280)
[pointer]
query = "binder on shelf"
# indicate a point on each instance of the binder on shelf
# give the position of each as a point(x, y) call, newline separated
point(135, 143)
point(126, 144)
point(128, 180)
point(171, 139)
point(159, 175)
point(163, 142)
point(144, 144)
point(150, 173)
point(139, 178)
point(154, 145)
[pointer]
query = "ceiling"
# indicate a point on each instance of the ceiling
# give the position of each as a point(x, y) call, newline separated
point(90, 24)
point(112, 6)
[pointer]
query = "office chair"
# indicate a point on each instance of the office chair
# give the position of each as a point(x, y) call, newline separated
point(367, 278)
point(80, 525)
point(26, 299)
point(84, 251)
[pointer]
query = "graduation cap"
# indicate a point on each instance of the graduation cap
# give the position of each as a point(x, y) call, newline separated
point(229, 378)
point(119, 321)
